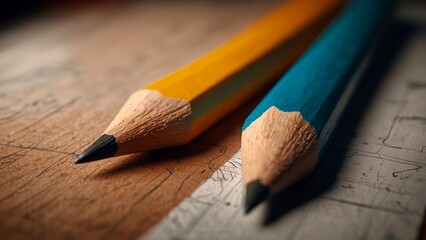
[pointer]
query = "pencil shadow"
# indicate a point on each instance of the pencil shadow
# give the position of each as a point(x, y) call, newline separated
point(316, 184)
point(157, 160)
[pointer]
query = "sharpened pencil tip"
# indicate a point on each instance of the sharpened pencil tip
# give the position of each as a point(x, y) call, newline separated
point(105, 147)
point(255, 194)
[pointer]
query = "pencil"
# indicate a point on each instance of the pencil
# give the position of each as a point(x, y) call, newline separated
point(291, 128)
point(175, 109)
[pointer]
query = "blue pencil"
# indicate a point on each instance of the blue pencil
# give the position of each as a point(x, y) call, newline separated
point(289, 131)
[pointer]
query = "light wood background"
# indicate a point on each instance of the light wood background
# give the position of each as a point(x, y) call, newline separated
point(63, 76)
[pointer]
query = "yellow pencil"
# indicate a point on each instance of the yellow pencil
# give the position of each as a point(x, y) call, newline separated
point(177, 108)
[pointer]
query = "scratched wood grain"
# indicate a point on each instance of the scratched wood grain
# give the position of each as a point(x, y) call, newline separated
point(63, 76)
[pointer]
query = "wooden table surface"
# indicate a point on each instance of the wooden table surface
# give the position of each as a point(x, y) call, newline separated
point(63, 76)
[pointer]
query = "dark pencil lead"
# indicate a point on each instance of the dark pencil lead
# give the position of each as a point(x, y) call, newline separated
point(104, 147)
point(255, 194)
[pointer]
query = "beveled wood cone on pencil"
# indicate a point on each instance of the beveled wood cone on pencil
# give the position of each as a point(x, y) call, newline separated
point(148, 120)
point(291, 148)
point(177, 108)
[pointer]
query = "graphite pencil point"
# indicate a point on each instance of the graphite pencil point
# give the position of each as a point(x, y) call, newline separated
point(256, 193)
point(104, 147)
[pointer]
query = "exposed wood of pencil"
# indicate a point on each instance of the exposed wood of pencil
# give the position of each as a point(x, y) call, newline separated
point(152, 116)
point(290, 146)
point(177, 108)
